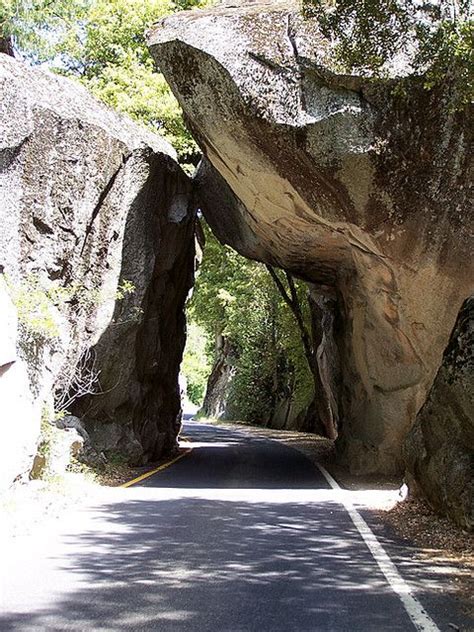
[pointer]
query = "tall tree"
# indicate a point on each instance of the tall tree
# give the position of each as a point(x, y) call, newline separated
point(102, 44)
point(311, 344)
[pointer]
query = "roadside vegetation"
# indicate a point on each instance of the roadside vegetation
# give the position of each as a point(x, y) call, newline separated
point(243, 315)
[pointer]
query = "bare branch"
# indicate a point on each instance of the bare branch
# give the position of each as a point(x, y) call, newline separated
point(79, 380)
point(294, 304)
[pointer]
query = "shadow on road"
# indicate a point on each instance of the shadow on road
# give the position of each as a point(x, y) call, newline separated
point(197, 564)
point(211, 547)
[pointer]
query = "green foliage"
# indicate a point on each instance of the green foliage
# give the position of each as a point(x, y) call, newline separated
point(223, 279)
point(196, 362)
point(271, 365)
point(125, 288)
point(237, 298)
point(37, 25)
point(40, 303)
point(437, 38)
point(37, 305)
point(115, 458)
point(102, 43)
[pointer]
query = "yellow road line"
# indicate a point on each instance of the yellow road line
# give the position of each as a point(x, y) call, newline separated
point(158, 469)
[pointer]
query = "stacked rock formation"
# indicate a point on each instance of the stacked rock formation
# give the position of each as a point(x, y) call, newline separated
point(356, 184)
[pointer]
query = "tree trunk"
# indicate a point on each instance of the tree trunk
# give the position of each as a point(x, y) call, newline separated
point(326, 357)
point(313, 347)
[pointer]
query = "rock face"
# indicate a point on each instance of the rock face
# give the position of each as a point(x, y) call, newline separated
point(216, 401)
point(345, 181)
point(96, 248)
point(18, 405)
point(439, 449)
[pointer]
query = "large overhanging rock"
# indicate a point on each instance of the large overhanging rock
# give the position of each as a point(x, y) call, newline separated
point(91, 206)
point(350, 182)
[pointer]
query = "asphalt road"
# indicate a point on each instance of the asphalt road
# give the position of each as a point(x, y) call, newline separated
point(240, 535)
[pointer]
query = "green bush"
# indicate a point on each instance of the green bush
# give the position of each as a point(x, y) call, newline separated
point(196, 362)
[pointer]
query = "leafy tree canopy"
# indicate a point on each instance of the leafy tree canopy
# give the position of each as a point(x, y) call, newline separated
point(238, 299)
point(102, 43)
point(435, 37)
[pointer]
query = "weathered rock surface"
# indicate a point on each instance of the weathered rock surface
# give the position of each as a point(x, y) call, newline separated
point(90, 202)
point(17, 404)
point(344, 181)
point(439, 450)
point(87, 452)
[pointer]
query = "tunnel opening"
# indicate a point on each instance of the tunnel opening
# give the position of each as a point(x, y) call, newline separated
point(260, 347)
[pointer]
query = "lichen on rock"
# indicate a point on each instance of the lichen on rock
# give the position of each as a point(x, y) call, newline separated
point(97, 249)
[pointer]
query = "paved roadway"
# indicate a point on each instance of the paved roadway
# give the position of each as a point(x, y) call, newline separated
point(241, 535)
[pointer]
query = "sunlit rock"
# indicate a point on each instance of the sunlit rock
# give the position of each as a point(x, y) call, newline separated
point(356, 184)
point(96, 246)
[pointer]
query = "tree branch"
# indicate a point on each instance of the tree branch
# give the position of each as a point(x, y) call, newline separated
point(294, 304)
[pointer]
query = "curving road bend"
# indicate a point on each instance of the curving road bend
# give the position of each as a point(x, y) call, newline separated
point(241, 535)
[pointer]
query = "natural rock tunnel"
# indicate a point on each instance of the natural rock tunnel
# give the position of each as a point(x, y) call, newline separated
point(357, 185)
point(342, 181)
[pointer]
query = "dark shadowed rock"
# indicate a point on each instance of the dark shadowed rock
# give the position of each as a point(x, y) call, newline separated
point(92, 204)
point(439, 449)
point(345, 181)
point(138, 356)
point(6, 46)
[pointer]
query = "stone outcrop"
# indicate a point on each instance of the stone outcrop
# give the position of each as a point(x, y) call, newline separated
point(18, 404)
point(439, 450)
point(353, 183)
point(96, 249)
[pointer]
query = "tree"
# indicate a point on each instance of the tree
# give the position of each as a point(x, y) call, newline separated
point(35, 26)
point(310, 346)
point(102, 44)
point(435, 38)
point(236, 302)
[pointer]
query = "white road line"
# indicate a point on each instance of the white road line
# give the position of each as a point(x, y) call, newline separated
point(420, 618)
